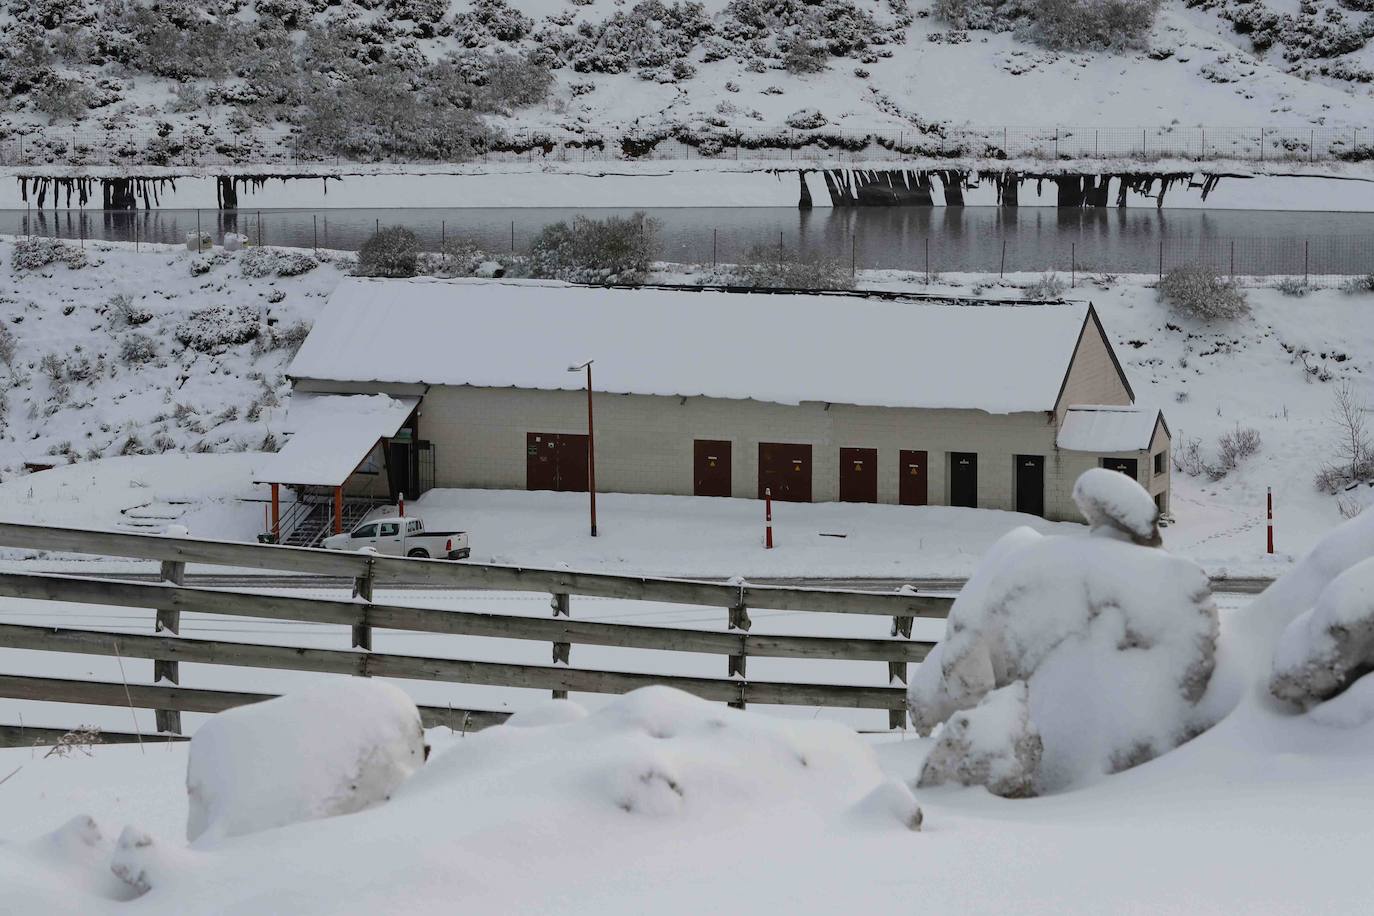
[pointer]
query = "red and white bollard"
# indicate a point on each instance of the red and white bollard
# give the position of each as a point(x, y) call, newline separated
point(401, 505)
point(768, 518)
point(1269, 495)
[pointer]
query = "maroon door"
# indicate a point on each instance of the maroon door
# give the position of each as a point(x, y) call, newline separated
point(911, 485)
point(858, 475)
point(711, 467)
point(556, 461)
point(785, 471)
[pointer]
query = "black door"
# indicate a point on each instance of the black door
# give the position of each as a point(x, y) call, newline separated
point(401, 468)
point(1128, 466)
point(1030, 484)
point(963, 479)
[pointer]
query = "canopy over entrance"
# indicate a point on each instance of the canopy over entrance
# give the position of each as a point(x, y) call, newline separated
point(333, 434)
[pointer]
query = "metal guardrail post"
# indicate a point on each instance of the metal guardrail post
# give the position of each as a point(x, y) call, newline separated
point(169, 720)
point(362, 588)
point(561, 602)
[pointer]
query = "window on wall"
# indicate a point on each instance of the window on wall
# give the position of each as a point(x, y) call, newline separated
point(1159, 463)
point(1128, 466)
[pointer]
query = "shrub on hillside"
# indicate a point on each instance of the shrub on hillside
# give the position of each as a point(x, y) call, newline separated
point(1048, 286)
point(125, 309)
point(218, 326)
point(616, 249)
point(1198, 292)
point(1059, 24)
point(137, 348)
point(777, 267)
point(392, 251)
point(35, 253)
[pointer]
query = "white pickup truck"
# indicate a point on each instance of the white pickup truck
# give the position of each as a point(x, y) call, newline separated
point(402, 536)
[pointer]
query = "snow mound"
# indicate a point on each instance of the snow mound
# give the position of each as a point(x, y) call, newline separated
point(1114, 642)
point(994, 745)
point(890, 801)
point(1115, 504)
point(336, 748)
point(1330, 645)
point(549, 712)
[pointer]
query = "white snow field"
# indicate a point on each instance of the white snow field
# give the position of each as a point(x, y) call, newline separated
point(658, 802)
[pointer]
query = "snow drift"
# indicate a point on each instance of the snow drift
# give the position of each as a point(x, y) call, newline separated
point(1068, 657)
point(336, 748)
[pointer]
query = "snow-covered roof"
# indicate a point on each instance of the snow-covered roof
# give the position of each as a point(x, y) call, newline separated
point(783, 348)
point(1107, 428)
point(333, 434)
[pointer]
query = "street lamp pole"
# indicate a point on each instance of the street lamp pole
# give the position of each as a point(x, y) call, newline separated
point(591, 442)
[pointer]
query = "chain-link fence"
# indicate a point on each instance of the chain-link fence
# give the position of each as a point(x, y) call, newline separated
point(189, 147)
point(942, 240)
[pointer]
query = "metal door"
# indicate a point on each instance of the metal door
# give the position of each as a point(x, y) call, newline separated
point(1030, 484)
point(785, 470)
point(1128, 466)
point(963, 479)
point(572, 463)
point(858, 475)
point(911, 485)
point(541, 461)
point(711, 467)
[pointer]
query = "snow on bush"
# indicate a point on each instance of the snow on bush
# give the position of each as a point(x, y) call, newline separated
point(35, 253)
point(1058, 24)
point(806, 119)
point(774, 266)
point(1048, 286)
point(218, 326)
point(267, 262)
point(1114, 642)
point(392, 251)
point(1330, 645)
point(612, 250)
point(993, 745)
point(1198, 292)
point(332, 749)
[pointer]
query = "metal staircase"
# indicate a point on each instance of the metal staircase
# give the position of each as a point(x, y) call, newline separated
point(309, 523)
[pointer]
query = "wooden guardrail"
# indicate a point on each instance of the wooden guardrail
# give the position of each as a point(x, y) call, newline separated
point(170, 599)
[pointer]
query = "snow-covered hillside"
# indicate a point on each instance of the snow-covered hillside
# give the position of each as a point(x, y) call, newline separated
point(169, 351)
point(253, 80)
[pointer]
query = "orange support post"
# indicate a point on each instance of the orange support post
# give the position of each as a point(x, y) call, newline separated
point(338, 510)
point(276, 512)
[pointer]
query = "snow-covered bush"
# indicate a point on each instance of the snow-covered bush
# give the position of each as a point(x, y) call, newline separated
point(1114, 643)
point(1331, 645)
point(294, 263)
point(777, 267)
point(487, 22)
point(652, 34)
point(1198, 292)
point(1048, 285)
point(217, 326)
point(126, 311)
point(257, 262)
point(1350, 442)
point(612, 250)
point(333, 749)
point(1292, 286)
point(800, 57)
point(137, 348)
point(36, 252)
point(1059, 24)
point(392, 251)
point(1237, 445)
point(806, 119)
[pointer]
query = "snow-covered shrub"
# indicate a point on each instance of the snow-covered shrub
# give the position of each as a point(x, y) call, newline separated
point(340, 747)
point(1048, 285)
point(1331, 645)
point(1351, 445)
point(1093, 24)
point(1114, 643)
point(137, 348)
point(1198, 292)
point(616, 249)
point(392, 251)
point(1237, 445)
point(777, 267)
point(487, 22)
point(1293, 286)
point(8, 348)
point(652, 34)
point(126, 310)
point(257, 262)
point(806, 119)
point(993, 745)
point(294, 263)
point(35, 253)
point(288, 337)
point(217, 326)
point(1361, 284)
point(800, 56)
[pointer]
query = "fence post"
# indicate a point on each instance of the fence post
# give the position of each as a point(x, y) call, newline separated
point(1161, 259)
point(562, 651)
point(1312, 146)
point(199, 246)
point(714, 230)
point(259, 228)
point(1233, 259)
point(1073, 265)
point(169, 720)
point(315, 225)
point(739, 620)
point(362, 588)
point(854, 254)
point(512, 236)
point(1261, 144)
point(1002, 267)
point(927, 260)
point(1304, 261)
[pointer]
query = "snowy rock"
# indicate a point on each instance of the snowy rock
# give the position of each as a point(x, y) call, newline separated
point(335, 748)
point(1115, 504)
point(199, 241)
point(1115, 643)
point(890, 803)
point(1330, 645)
point(993, 745)
point(233, 241)
point(489, 269)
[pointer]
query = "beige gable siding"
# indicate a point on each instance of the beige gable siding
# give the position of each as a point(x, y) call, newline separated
point(1092, 377)
point(644, 443)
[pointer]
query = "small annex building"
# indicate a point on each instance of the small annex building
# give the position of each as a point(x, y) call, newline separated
point(815, 397)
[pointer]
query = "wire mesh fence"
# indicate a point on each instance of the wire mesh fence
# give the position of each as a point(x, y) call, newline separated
point(922, 246)
point(195, 148)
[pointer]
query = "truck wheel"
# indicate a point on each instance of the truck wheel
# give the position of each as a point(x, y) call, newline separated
point(419, 553)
